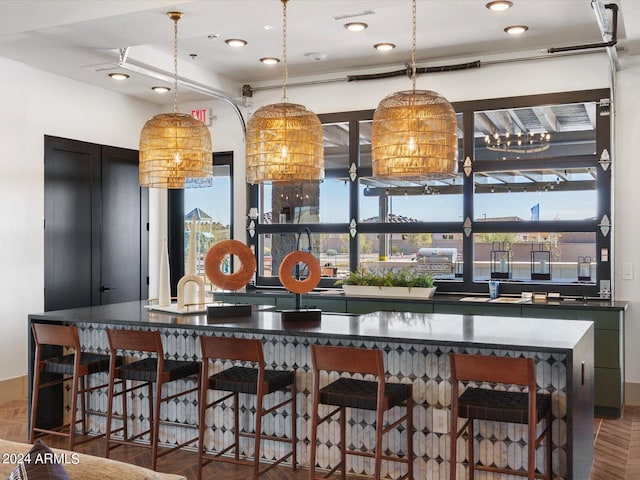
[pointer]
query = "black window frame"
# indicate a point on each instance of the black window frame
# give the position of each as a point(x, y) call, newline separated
point(468, 285)
point(175, 212)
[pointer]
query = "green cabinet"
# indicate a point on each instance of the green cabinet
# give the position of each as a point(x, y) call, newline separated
point(609, 350)
point(482, 309)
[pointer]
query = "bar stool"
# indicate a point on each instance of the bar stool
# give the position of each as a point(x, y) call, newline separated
point(153, 369)
point(241, 379)
point(73, 367)
point(343, 393)
point(498, 406)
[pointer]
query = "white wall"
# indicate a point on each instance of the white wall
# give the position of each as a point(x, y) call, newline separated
point(34, 104)
point(626, 221)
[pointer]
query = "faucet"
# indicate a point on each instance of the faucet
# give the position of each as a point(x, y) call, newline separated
point(307, 232)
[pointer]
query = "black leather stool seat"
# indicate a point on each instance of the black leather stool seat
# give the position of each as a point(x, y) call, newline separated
point(94, 362)
point(245, 380)
point(348, 392)
point(146, 370)
point(500, 406)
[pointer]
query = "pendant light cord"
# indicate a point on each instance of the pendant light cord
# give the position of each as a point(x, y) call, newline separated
point(413, 45)
point(175, 16)
point(285, 73)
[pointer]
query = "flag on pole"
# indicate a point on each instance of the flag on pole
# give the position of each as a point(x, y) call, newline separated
point(535, 212)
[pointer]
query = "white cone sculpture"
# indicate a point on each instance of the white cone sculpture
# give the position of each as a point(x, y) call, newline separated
point(164, 281)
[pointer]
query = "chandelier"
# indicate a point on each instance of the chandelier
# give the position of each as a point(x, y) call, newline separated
point(414, 132)
point(521, 142)
point(175, 148)
point(284, 140)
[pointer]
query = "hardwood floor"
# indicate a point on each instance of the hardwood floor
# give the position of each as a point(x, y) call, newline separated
point(617, 450)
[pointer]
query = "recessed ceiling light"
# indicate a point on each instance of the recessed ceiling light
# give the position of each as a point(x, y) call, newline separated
point(119, 76)
point(270, 60)
point(516, 29)
point(235, 42)
point(384, 47)
point(355, 26)
point(267, 27)
point(499, 5)
point(160, 89)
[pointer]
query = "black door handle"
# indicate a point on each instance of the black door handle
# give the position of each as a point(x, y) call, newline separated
point(106, 288)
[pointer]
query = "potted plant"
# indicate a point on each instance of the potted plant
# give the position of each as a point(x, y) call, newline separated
point(390, 284)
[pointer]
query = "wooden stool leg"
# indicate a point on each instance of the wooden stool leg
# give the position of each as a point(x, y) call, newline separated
point(73, 414)
point(343, 442)
point(35, 394)
point(236, 425)
point(155, 426)
point(410, 438)
point(531, 451)
point(83, 403)
point(294, 418)
point(453, 434)
point(549, 468)
point(202, 407)
point(258, 427)
point(470, 448)
point(109, 414)
point(379, 430)
point(314, 434)
point(125, 414)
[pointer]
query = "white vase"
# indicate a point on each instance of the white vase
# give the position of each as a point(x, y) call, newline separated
point(164, 280)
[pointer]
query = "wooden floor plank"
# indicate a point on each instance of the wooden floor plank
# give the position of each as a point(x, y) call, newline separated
point(617, 450)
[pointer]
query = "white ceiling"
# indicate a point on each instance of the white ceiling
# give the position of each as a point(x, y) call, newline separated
point(81, 39)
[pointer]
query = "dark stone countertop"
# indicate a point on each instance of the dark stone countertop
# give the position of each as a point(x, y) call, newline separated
point(441, 329)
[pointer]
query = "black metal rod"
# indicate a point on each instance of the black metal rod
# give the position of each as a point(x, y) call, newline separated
point(614, 36)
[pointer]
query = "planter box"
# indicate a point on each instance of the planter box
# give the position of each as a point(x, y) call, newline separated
point(388, 292)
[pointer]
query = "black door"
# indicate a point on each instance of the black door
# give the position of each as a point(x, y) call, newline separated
point(96, 239)
point(124, 228)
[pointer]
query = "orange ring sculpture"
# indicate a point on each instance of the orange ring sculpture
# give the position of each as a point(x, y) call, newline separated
point(292, 284)
point(235, 280)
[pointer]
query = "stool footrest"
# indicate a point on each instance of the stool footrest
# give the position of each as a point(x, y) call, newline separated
point(179, 394)
point(275, 407)
point(393, 425)
point(266, 437)
point(393, 458)
point(176, 447)
point(506, 471)
point(329, 415)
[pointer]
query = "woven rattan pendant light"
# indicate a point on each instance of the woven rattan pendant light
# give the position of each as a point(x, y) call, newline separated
point(284, 140)
point(174, 146)
point(414, 133)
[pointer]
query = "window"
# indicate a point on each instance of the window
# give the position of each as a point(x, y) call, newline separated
point(539, 188)
point(203, 216)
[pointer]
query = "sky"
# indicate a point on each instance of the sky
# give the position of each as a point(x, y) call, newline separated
point(334, 199)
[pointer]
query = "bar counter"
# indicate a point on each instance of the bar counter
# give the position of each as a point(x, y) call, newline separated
point(416, 347)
